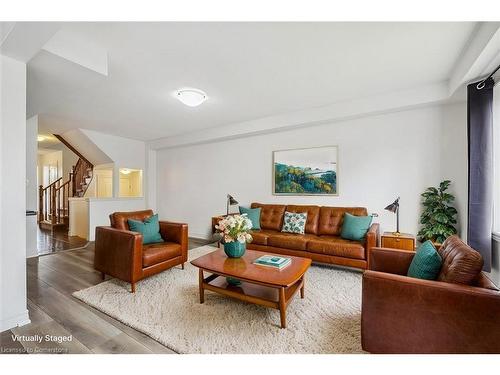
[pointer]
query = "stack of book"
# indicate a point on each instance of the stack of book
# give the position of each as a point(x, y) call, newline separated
point(273, 261)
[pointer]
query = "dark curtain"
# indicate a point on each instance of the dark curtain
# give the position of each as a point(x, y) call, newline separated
point(480, 142)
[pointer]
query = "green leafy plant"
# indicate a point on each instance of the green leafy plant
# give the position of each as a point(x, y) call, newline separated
point(438, 218)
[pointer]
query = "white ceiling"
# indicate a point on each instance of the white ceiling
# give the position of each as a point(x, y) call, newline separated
point(248, 70)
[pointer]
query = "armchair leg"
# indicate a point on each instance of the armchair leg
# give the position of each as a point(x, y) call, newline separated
point(182, 265)
point(103, 275)
point(133, 287)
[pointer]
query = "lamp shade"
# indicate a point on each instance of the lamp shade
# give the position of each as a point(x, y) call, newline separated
point(393, 207)
point(231, 200)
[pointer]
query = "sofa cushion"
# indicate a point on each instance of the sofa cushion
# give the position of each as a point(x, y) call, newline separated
point(461, 263)
point(294, 222)
point(334, 245)
point(312, 216)
point(288, 241)
point(253, 214)
point(119, 220)
point(426, 263)
point(355, 227)
point(331, 218)
point(149, 228)
point(159, 252)
point(271, 215)
point(259, 237)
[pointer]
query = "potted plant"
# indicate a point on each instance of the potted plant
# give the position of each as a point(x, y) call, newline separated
point(235, 231)
point(438, 218)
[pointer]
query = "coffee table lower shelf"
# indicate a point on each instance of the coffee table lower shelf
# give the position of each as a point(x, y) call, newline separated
point(276, 297)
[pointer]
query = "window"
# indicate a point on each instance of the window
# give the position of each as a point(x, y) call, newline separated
point(130, 182)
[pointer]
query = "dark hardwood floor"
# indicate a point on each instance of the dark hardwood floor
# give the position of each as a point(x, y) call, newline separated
point(54, 311)
point(48, 243)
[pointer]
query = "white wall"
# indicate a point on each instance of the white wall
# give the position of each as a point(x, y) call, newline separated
point(454, 158)
point(69, 160)
point(150, 179)
point(100, 209)
point(123, 153)
point(79, 217)
point(380, 157)
point(88, 213)
point(13, 310)
point(31, 185)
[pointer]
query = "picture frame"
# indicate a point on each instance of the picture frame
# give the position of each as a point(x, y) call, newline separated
point(306, 171)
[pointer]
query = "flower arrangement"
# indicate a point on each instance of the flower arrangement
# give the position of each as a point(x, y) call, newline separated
point(235, 228)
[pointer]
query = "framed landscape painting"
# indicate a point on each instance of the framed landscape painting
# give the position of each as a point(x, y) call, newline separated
point(306, 171)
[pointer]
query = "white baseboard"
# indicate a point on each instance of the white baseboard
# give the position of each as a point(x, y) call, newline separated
point(15, 321)
point(199, 236)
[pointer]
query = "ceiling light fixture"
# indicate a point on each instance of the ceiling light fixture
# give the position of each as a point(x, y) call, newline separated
point(40, 138)
point(125, 171)
point(191, 97)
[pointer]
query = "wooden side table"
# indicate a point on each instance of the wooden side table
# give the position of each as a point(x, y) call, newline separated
point(404, 241)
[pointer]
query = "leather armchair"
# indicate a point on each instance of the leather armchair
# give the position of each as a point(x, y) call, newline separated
point(401, 314)
point(120, 253)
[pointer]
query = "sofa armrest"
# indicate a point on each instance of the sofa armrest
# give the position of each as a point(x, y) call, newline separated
point(372, 236)
point(390, 260)
point(118, 253)
point(406, 315)
point(175, 232)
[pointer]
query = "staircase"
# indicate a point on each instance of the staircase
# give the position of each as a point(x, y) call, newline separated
point(53, 202)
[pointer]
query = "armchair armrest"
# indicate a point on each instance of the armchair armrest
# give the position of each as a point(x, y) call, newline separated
point(406, 315)
point(390, 260)
point(175, 232)
point(372, 236)
point(118, 253)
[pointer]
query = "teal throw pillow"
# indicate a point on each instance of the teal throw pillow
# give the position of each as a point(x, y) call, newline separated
point(426, 263)
point(355, 227)
point(253, 214)
point(149, 228)
point(294, 222)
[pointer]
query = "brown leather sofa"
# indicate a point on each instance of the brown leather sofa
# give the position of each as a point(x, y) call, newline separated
point(321, 241)
point(458, 313)
point(121, 254)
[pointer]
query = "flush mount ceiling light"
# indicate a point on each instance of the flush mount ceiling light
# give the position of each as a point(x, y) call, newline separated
point(40, 138)
point(191, 97)
point(125, 171)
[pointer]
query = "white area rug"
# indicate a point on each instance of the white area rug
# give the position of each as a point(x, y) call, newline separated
point(166, 307)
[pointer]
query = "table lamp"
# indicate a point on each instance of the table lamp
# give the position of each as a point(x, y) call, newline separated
point(230, 202)
point(394, 208)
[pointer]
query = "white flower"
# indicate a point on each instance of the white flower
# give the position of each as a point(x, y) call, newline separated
point(235, 228)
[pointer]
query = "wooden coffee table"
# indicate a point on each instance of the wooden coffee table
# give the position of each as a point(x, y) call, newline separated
point(259, 285)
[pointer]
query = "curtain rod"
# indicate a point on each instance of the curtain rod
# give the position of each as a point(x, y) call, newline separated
point(481, 84)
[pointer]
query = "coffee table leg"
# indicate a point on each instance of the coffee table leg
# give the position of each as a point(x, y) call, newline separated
point(202, 291)
point(282, 308)
point(303, 286)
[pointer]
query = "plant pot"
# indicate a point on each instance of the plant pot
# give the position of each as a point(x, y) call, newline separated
point(235, 249)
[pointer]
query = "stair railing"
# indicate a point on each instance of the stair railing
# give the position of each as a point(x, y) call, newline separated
point(80, 174)
point(53, 200)
point(47, 201)
point(62, 193)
